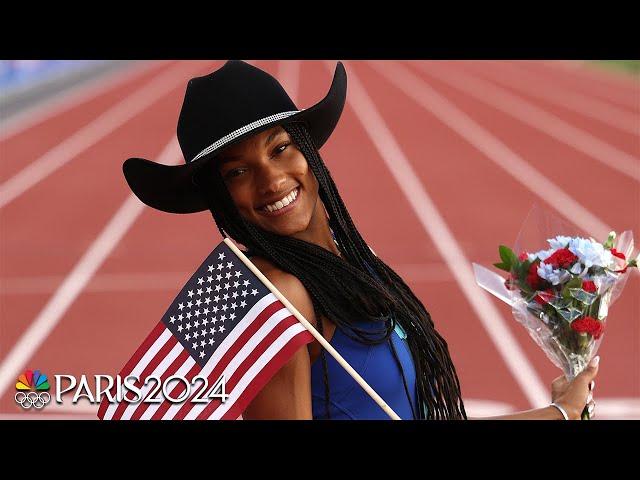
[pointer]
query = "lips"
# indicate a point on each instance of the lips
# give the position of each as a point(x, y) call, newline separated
point(283, 210)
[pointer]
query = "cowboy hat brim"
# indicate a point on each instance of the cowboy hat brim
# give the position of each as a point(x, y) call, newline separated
point(171, 189)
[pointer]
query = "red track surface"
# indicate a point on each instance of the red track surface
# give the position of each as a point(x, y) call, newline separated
point(46, 230)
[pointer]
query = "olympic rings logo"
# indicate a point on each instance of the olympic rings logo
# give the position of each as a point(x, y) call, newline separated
point(32, 399)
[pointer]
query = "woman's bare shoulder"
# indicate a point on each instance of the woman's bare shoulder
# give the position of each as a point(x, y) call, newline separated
point(289, 285)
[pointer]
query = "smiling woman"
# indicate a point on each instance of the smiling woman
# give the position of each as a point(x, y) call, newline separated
point(253, 162)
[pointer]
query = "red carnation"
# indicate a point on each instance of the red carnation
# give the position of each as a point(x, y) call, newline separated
point(588, 325)
point(523, 256)
point(589, 286)
point(562, 257)
point(543, 297)
point(533, 280)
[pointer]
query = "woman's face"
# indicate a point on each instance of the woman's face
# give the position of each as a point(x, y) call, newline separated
point(270, 182)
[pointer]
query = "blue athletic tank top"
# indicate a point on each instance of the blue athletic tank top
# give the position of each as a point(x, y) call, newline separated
point(375, 363)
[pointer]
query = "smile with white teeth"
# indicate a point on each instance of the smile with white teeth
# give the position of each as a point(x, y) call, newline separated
point(283, 202)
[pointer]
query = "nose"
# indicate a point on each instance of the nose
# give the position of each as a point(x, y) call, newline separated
point(272, 179)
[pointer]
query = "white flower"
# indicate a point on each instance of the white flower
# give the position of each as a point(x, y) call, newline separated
point(552, 275)
point(590, 253)
point(542, 254)
point(559, 242)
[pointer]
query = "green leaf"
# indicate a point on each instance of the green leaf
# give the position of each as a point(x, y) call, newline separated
point(502, 266)
point(509, 259)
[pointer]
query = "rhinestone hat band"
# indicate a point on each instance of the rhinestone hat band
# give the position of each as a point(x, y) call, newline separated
point(247, 128)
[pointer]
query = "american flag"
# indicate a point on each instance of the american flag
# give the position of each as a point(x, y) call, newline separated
point(225, 321)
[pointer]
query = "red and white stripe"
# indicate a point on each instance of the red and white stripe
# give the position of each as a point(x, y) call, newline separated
point(249, 356)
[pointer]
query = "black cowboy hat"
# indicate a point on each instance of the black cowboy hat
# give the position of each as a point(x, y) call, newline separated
point(222, 108)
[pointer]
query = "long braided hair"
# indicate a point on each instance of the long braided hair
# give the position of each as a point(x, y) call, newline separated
point(344, 290)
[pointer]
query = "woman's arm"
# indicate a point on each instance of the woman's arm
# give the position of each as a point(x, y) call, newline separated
point(571, 396)
point(546, 413)
point(287, 396)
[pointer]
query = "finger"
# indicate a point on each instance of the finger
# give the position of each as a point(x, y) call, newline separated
point(592, 369)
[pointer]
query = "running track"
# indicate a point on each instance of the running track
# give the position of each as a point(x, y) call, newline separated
point(438, 162)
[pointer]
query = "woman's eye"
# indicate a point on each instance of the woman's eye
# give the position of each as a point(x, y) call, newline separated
point(282, 148)
point(234, 173)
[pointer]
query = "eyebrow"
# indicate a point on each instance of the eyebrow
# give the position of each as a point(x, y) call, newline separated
point(229, 158)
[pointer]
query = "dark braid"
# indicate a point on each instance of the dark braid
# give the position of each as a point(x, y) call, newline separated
point(343, 290)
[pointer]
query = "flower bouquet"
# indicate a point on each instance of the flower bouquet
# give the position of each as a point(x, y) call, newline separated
point(562, 294)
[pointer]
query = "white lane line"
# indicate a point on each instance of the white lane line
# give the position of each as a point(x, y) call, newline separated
point(289, 77)
point(64, 102)
point(450, 251)
point(539, 119)
point(540, 87)
point(93, 132)
point(496, 151)
point(76, 281)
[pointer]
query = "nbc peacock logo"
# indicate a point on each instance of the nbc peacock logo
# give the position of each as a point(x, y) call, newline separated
point(32, 389)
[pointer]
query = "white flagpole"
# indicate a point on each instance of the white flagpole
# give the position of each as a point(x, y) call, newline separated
point(356, 376)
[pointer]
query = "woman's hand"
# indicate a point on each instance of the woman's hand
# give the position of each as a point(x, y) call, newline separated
point(574, 395)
